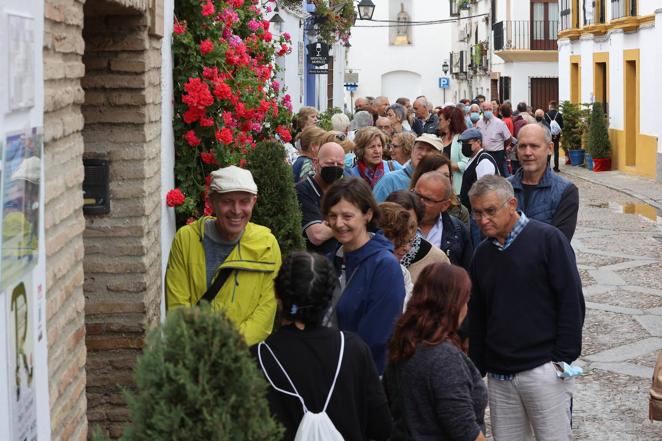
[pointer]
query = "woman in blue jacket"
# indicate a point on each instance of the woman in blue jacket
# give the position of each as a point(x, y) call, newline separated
point(372, 287)
point(369, 144)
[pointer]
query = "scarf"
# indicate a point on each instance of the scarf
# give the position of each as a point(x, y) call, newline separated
point(371, 176)
point(408, 258)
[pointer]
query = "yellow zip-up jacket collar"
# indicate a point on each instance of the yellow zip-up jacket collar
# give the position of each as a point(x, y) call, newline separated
point(247, 296)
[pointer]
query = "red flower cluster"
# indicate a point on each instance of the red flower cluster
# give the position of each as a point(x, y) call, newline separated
point(284, 134)
point(226, 96)
point(175, 198)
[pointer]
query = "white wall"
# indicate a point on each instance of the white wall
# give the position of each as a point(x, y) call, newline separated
point(168, 226)
point(520, 74)
point(292, 74)
point(648, 40)
point(374, 59)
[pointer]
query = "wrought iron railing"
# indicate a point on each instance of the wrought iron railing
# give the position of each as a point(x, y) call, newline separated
point(525, 35)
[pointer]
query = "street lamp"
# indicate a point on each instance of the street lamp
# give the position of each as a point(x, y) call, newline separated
point(276, 20)
point(444, 67)
point(366, 9)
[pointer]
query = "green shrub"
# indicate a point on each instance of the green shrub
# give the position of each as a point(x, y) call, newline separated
point(325, 118)
point(573, 126)
point(599, 145)
point(197, 381)
point(277, 205)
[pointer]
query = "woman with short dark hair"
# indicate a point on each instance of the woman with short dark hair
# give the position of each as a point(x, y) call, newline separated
point(302, 358)
point(372, 286)
point(434, 389)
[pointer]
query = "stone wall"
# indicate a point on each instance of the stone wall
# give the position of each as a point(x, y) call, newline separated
point(64, 222)
point(122, 265)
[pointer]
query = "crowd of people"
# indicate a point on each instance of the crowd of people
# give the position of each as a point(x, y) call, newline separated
point(438, 275)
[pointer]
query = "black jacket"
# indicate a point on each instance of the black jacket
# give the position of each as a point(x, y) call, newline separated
point(455, 241)
point(431, 125)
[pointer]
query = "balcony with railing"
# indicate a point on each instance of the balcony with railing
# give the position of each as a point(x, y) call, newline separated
point(533, 40)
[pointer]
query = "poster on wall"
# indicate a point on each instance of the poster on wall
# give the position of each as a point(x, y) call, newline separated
point(21, 61)
point(24, 382)
point(20, 205)
point(22, 391)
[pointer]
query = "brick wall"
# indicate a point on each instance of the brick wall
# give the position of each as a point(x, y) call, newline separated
point(122, 249)
point(64, 222)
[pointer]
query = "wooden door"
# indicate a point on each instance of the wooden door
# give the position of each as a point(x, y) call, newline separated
point(544, 90)
point(544, 24)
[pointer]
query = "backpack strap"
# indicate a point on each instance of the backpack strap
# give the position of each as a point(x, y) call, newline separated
point(333, 385)
point(390, 165)
point(215, 287)
point(293, 394)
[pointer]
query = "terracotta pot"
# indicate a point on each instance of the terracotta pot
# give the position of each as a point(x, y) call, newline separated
point(601, 164)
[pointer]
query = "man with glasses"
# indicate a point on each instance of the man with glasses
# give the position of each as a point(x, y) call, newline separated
point(400, 179)
point(384, 124)
point(542, 194)
point(442, 230)
point(526, 315)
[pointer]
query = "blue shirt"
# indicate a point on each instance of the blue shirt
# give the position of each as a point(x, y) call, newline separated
point(397, 180)
point(517, 229)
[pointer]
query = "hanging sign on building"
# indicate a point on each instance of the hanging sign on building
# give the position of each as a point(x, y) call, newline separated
point(317, 58)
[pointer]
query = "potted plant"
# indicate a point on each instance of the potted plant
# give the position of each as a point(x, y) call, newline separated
point(571, 134)
point(598, 139)
point(333, 19)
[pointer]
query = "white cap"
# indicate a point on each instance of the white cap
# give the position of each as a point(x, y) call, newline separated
point(232, 178)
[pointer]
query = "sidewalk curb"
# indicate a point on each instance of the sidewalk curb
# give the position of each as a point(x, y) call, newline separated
point(626, 191)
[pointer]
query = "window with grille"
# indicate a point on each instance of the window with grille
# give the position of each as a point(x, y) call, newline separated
point(623, 8)
point(455, 9)
point(566, 14)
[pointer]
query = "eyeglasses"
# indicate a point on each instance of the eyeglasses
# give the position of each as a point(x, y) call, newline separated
point(340, 137)
point(426, 200)
point(488, 212)
point(396, 146)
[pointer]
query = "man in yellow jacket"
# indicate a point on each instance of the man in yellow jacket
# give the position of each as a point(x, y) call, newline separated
point(239, 257)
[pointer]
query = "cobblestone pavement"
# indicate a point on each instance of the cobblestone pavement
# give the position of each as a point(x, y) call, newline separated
point(619, 254)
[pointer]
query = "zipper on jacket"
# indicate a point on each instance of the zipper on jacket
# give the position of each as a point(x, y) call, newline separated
point(236, 284)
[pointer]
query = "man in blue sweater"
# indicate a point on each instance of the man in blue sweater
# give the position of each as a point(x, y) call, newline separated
point(525, 316)
point(542, 194)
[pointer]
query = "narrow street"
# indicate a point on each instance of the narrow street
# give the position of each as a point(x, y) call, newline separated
point(618, 246)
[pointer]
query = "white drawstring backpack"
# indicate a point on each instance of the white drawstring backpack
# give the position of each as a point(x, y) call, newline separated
point(313, 426)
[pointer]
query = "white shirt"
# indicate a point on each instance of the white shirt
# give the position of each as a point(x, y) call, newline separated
point(483, 167)
point(434, 235)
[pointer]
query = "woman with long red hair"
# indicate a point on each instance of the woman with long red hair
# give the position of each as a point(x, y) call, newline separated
point(451, 125)
point(434, 389)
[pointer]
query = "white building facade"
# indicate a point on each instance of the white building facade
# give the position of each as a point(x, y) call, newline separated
point(318, 90)
point(524, 52)
point(396, 57)
point(609, 52)
point(470, 56)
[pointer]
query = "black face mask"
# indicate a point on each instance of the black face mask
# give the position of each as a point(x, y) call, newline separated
point(538, 118)
point(331, 174)
point(466, 149)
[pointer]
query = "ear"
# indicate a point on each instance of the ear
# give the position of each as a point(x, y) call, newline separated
point(369, 215)
point(513, 203)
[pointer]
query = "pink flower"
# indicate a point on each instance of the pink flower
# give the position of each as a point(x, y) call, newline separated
point(268, 9)
point(267, 36)
point(275, 85)
point(206, 46)
point(286, 36)
point(253, 25)
point(256, 127)
point(175, 198)
point(284, 49)
point(208, 9)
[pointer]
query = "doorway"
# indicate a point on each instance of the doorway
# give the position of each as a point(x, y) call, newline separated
point(544, 24)
point(631, 111)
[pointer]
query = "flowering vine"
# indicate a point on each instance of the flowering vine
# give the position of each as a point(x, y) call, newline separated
point(226, 95)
